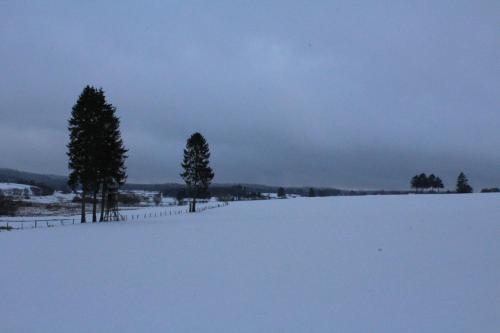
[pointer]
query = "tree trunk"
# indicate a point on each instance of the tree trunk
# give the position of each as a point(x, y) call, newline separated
point(193, 205)
point(83, 220)
point(94, 207)
point(103, 201)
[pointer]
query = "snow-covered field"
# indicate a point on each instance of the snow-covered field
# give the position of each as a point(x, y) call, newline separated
point(414, 263)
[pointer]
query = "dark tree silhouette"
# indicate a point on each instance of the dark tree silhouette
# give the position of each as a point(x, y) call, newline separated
point(281, 193)
point(463, 184)
point(112, 155)
point(439, 184)
point(82, 142)
point(431, 181)
point(197, 172)
point(422, 182)
point(96, 152)
point(312, 193)
point(415, 183)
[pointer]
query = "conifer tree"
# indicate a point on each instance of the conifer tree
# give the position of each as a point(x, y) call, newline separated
point(112, 170)
point(197, 172)
point(312, 193)
point(415, 183)
point(281, 193)
point(431, 181)
point(82, 141)
point(96, 152)
point(463, 184)
point(439, 183)
point(422, 181)
point(97, 149)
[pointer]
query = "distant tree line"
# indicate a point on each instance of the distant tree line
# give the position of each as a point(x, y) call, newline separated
point(490, 190)
point(59, 183)
point(44, 188)
point(237, 192)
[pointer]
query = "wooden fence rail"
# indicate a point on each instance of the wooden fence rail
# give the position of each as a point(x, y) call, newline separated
point(9, 224)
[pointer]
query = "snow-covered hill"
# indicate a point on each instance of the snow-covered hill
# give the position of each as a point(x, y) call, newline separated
point(16, 190)
point(415, 263)
point(8, 187)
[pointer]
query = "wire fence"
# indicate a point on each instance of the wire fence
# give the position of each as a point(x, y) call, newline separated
point(33, 223)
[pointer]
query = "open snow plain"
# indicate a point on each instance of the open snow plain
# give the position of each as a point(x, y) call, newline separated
point(414, 263)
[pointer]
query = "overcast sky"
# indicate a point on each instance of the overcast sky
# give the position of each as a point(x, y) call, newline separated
point(353, 94)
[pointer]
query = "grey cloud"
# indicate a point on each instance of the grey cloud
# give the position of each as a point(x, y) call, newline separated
point(351, 94)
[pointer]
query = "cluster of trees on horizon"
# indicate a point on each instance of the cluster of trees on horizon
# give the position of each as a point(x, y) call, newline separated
point(423, 182)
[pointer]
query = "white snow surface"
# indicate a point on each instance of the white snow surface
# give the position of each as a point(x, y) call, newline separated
point(413, 263)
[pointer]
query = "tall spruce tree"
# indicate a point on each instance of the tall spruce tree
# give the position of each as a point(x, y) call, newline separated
point(463, 184)
point(96, 153)
point(81, 146)
point(112, 155)
point(197, 172)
